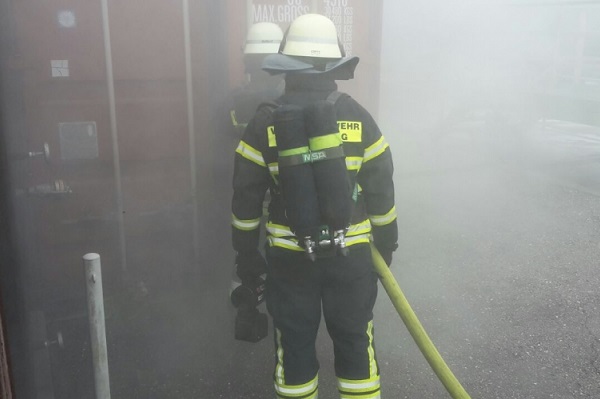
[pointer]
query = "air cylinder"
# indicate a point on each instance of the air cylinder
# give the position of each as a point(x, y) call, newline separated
point(295, 171)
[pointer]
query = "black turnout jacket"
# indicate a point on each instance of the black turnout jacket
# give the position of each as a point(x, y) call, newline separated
point(368, 162)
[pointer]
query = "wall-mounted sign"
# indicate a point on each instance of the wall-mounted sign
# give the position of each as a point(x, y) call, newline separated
point(66, 18)
point(60, 68)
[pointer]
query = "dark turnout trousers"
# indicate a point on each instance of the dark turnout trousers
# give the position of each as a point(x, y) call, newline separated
point(344, 289)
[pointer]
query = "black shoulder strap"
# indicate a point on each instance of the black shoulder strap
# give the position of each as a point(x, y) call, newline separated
point(271, 105)
point(335, 96)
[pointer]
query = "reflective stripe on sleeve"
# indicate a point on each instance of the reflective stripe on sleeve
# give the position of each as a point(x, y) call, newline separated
point(375, 149)
point(382, 220)
point(245, 225)
point(250, 153)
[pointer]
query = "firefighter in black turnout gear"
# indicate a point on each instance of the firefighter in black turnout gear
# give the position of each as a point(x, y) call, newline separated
point(262, 39)
point(329, 171)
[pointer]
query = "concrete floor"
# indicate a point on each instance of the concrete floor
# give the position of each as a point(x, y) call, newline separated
point(499, 259)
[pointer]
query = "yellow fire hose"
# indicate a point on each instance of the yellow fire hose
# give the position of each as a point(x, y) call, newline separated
point(415, 328)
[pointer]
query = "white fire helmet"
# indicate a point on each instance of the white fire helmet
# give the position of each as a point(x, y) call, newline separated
point(263, 38)
point(312, 35)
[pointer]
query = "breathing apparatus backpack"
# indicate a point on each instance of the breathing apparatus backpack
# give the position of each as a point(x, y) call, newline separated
point(314, 182)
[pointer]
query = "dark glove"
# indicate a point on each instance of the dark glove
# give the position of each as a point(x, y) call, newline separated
point(250, 265)
point(249, 294)
point(250, 324)
point(386, 253)
point(385, 239)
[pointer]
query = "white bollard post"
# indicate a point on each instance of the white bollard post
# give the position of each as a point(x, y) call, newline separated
point(95, 301)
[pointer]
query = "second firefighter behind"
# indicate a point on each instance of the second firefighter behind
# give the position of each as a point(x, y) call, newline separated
point(302, 284)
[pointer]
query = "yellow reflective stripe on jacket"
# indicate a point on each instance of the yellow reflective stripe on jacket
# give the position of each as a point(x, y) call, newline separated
point(382, 220)
point(353, 163)
point(290, 243)
point(250, 153)
point(287, 243)
point(321, 142)
point(363, 227)
point(359, 239)
point(278, 230)
point(246, 225)
point(375, 149)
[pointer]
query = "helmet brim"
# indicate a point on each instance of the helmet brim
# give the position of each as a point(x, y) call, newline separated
point(342, 69)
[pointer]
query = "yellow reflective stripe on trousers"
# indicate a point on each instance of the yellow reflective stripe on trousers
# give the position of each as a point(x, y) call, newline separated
point(363, 389)
point(279, 372)
point(250, 153)
point(307, 390)
point(375, 149)
point(246, 225)
point(382, 220)
point(359, 389)
point(373, 368)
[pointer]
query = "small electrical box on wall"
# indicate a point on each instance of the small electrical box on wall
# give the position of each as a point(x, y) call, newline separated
point(78, 140)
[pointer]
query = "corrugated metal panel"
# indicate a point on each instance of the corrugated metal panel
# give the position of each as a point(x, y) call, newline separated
point(5, 386)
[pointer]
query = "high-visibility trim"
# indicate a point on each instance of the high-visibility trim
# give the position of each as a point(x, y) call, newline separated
point(274, 168)
point(279, 371)
point(382, 220)
point(245, 225)
point(250, 153)
point(362, 389)
point(322, 142)
point(294, 151)
point(350, 131)
point(308, 390)
point(359, 385)
point(369, 388)
point(271, 136)
point(363, 227)
point(375, 149)
point(373, 367)
point(278, 230)
point(360, 239)
point(353, 163)
point(291, 244)
point(233, 118)
point(367, 395)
